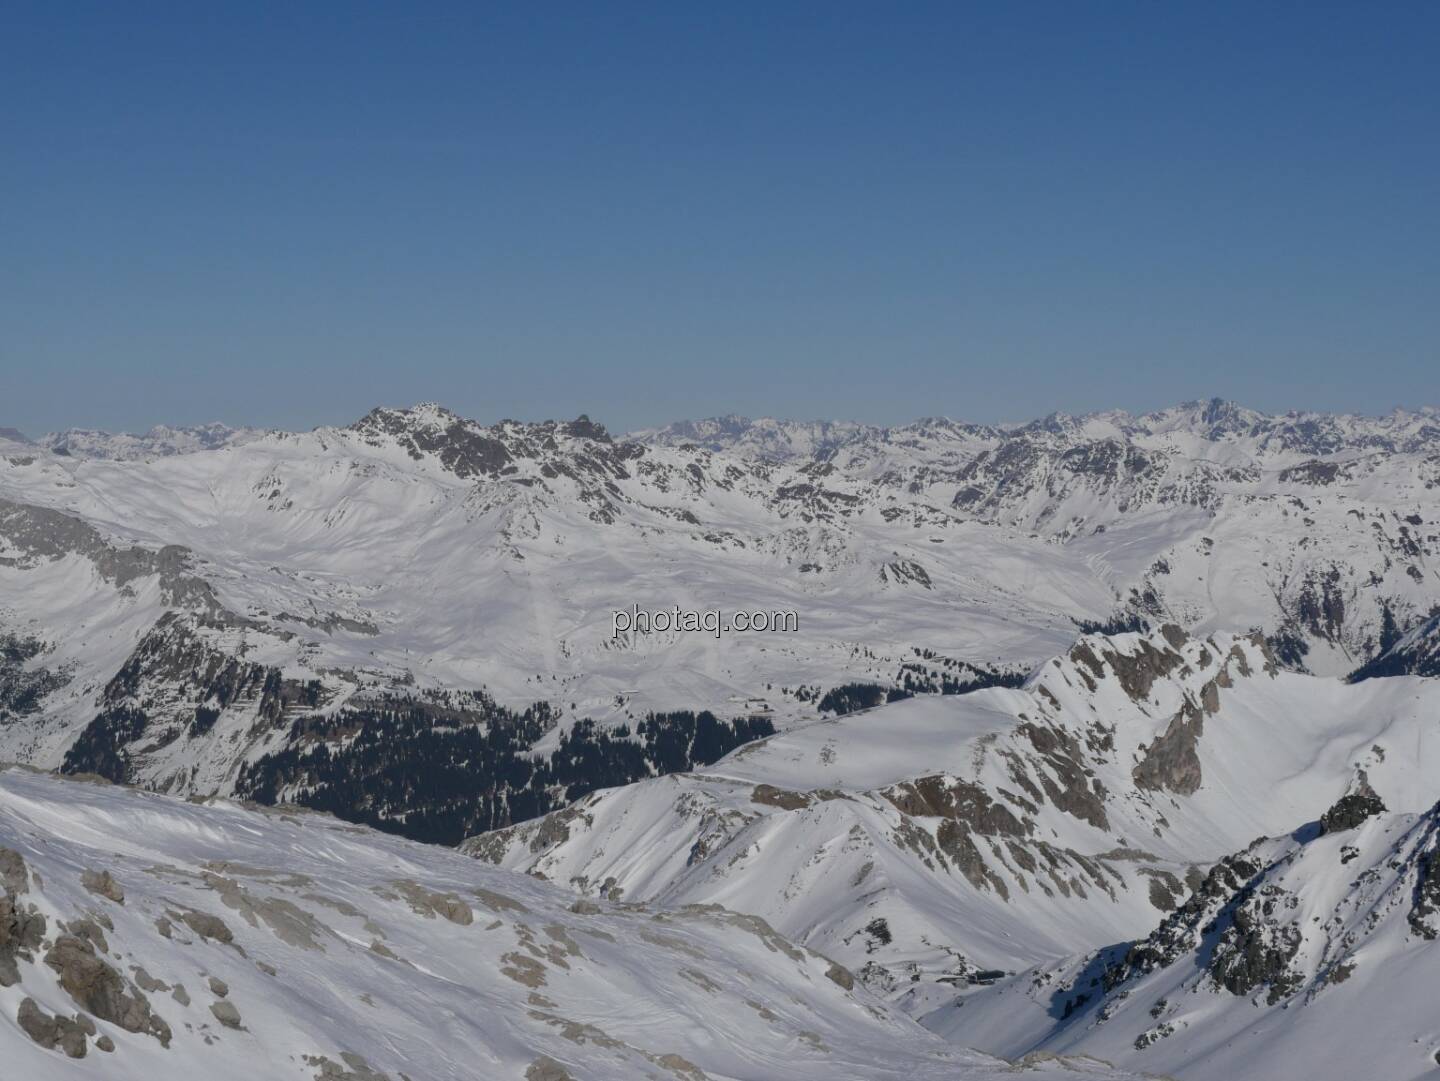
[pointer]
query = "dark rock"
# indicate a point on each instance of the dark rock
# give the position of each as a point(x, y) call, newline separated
point(99, 989)
point(21, 932)
point(841, 975)
point(104, 884)
point(51, 1032)
point(1352, 809)
point(14, 877)
point(1172, 760)
point(226, 1013)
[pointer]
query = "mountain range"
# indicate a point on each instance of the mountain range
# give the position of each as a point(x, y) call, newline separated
point(974, 859)
point(203, 620)
point(1050, 682)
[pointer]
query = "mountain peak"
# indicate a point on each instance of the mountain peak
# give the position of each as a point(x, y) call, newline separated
point(161, 441)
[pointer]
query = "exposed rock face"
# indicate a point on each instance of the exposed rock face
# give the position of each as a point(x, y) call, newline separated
point(14, 876)
point(763, 793)
point(463, 447)
point(42, 533)
point(1417, 653)
point(1258, 946)
point(99, 989)
point(1353, 809)
point(22, 928)
point(1171, 761)
point(841, 975)
point(430, 903)
point(1138, 671)
point(546, 1068)
point(21, 932)
point(1425, 899)
point(226, 1013)
point(206, 925)
point(354, 1068)
point(104, 884)
point(963, 802)
point(1182, 930)
point(174, 686)
point(23, 682)
point(51, 1033)
point(1072, 787)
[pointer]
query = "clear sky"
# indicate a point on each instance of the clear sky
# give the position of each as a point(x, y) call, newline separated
point(286, 213)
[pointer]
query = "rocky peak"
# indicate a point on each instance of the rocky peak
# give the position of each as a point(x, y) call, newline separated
point(1357, 806)
point(470, 449)
point(1220, 419)
point(1134, 663)
point(764, 437)
point(1262, 921)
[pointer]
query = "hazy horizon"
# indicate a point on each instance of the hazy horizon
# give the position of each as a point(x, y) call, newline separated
point(702, 417)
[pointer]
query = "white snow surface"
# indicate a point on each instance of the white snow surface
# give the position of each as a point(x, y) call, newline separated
point(1360, 997)
point(820, 829)
point(348, 954)
point(418, 549)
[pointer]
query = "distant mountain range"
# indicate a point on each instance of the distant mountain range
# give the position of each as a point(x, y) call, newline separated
point(1050, 681)
point(203, 610)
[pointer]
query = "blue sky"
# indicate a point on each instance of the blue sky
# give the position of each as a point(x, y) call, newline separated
point(288, 213)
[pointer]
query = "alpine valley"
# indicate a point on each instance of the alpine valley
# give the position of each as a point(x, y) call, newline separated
point(1105, 747)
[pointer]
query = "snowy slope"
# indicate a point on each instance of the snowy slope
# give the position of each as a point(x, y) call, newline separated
point(153, 938)
point(1312, 955)
point(175, 611)
point(932, 840)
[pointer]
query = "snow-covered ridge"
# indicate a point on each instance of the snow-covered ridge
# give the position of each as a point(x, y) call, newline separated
point(928, 842)
point(1214, 421)
point(144, 937)
point(1310, 954)
point(417, 553)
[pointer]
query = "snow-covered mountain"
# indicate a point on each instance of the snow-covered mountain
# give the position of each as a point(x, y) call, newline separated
point(160, 441)
point(766, 437)
point(1308, 955)
point(408, 622)
point(151, 938)
point(938, 842)
point(280, 615)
